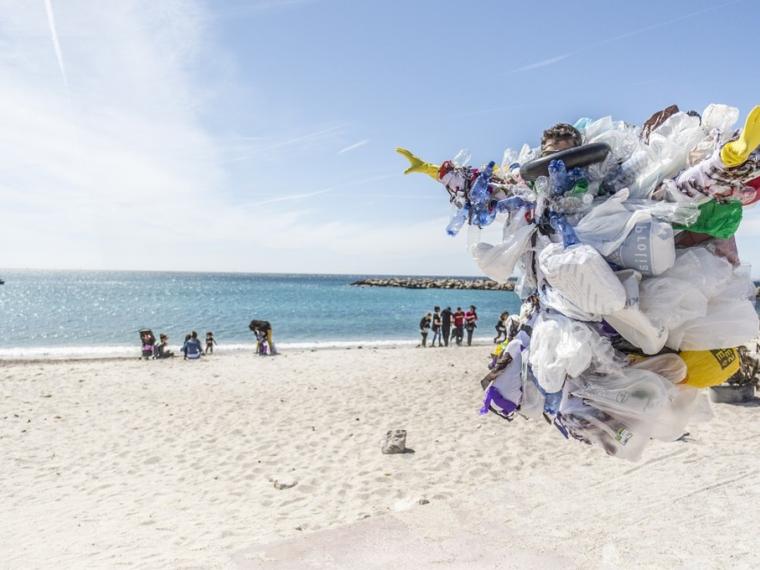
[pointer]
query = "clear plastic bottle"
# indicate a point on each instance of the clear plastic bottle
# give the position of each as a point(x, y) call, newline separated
point(457, 221)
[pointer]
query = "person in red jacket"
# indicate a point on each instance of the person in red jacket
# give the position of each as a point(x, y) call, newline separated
point(459, 325)
point(470, 322)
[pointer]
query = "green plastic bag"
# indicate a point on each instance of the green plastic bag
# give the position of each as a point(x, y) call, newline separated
point(718, 219)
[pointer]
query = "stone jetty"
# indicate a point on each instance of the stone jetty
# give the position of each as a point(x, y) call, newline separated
point(435, 283)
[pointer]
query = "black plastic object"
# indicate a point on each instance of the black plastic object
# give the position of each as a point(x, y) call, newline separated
point(578, 156)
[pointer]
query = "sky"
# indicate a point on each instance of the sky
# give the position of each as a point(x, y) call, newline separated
point(259, 136)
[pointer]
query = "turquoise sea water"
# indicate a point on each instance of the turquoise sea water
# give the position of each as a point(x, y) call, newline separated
point(84, 312)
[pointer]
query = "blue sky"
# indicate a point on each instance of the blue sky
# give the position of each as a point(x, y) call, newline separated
point(259, 136)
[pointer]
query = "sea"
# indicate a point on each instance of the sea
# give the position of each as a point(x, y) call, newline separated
point(99, 313)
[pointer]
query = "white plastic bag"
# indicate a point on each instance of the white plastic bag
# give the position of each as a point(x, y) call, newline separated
point(583, 277)
point(561, 348)
point(704, 270)
point(498, 261)
point(728, 323)
point(628, 236)
point(671, 302)
point(633, 325)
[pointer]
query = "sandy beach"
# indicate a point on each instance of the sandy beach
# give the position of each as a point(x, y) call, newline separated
point(172, 464)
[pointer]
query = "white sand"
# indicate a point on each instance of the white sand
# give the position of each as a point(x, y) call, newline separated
point(170, 465)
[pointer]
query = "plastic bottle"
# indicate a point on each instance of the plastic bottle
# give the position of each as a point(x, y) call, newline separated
point(559, 223)
point(457, 221)
point(625, 174)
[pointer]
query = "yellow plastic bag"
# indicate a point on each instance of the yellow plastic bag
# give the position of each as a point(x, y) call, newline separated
point(707, 368)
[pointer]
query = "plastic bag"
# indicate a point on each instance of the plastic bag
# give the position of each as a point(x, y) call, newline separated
point(632, 392)
point(498, 261)
point(533, 399)
point(671, 302)
point(684, 213)
point(621, 437)
point(583, 277)
point(710, 367)
point(728, 323)
point(561, 347)
point(629, 238)
point(670, 366)
point(706, 271)
point(645, 397)
point(720, 220)
point(553, 299)
point(633, 325)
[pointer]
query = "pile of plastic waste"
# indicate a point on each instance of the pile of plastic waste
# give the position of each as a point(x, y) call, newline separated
point(623, 239)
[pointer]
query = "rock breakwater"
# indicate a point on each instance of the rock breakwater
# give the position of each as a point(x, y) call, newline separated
point(433, 283)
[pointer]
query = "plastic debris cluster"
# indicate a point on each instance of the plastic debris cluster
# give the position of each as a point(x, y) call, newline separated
point(634, 296)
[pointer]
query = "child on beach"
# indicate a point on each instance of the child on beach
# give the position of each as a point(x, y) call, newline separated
point(210, 342)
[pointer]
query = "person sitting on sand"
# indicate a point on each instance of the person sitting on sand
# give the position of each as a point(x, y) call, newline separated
point(210, 342)
point(424, 328)
point(162, 349)
point(192, 347)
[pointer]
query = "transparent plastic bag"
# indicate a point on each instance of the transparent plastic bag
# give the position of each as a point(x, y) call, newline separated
point(671, 302)
point(583, 277)
point(644, 397)
point(683, 213)
point(698, 266)
point(670, 366)
point(621, 437)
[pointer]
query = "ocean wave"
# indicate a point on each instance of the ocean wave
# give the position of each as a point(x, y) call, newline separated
point(132, 351)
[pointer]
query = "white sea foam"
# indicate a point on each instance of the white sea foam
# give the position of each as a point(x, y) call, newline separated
point(133, 351)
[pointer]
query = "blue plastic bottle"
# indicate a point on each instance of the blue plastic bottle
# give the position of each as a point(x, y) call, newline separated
point(457, 221)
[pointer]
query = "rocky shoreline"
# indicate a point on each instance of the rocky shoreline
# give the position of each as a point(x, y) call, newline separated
point(432, 283)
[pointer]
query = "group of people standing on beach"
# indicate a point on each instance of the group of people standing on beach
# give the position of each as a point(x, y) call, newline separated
point(448, 325)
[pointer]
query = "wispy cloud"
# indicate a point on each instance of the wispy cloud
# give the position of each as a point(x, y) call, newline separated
point(354, 146)
point(544, 62)
point(248, 147)
point(290, 197)
point(56, 43)
point(557, 58)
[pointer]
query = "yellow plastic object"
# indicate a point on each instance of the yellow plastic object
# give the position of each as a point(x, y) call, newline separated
point(418, 165)
point(707, 368)
point(737, 152)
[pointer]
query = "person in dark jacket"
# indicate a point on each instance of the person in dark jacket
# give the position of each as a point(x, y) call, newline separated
point(446, 325)
point(266, 328)
point(425, 328)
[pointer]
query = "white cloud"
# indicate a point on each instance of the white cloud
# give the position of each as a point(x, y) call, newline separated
point(120, 173)
point(353, 146)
